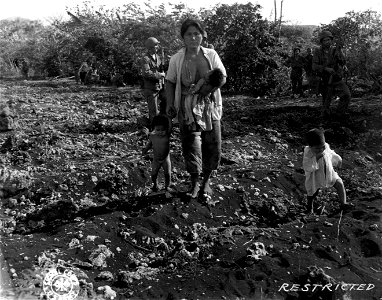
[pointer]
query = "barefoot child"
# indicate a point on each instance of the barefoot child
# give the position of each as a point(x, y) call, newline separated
point(159, 141)
point(318, 164)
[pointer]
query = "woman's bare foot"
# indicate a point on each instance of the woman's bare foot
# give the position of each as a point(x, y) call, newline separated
point(193, 193)
point(206, 190)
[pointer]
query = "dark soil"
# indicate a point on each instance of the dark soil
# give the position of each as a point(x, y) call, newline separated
point(73, 178)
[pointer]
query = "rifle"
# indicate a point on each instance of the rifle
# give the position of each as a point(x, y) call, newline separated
point(162, 65)
point(162, 92)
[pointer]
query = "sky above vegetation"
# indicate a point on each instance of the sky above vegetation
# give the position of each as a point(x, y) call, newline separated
point(302, 12)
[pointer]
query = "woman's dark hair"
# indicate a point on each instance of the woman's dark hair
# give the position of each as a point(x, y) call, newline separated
point(188, 23)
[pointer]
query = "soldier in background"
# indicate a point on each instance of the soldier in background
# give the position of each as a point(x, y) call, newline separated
point(329, 62)
point(25, 68)
point(296, 62)
point(153, 76)
point(83, 71)
point(313, 81)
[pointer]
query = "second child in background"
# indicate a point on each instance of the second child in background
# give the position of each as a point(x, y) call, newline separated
point(159, 141)
point(318, 164)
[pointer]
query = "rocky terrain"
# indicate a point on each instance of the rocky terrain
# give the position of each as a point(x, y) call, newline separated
point(75, 195)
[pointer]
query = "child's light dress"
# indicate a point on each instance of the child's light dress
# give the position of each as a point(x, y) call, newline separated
point(320, 174)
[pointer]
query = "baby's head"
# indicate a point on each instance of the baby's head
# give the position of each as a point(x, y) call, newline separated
point(215, 77)
point(315, 138)
point(212, 80)
point(161, 123)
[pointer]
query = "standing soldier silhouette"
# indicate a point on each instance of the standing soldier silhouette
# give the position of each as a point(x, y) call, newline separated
point(296, 62)
point(329, 62)
point(153, 76)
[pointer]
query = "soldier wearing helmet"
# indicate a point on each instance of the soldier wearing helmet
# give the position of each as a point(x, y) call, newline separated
point(325, 34)
point(296, 62)
point(153, 76)
point(330, 65)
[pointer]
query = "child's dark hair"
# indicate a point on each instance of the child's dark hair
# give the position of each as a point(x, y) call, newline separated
point(315, 137)
point(216, 77)
point(161, 120)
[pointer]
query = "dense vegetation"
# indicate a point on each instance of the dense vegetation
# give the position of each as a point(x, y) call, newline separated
point(252, 48)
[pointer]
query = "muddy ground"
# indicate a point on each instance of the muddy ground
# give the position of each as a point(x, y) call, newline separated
point(76, 194)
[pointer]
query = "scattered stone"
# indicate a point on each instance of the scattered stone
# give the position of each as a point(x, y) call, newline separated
point(184, 215)
point(64, 187)
point(12, 202)
point(240, 189)
point(98, 256)
point(296, 246)
point(211, 202)
point(83, 265)
point(107, 292)
point(74, 243)
point(125, 278)
point(220, 187)
point(256, 250)
point(318, 276)
point(373, 227)
point(290, 165)
point(105, 275)
point(13, 181)
point(91, 238)
point(63, 209)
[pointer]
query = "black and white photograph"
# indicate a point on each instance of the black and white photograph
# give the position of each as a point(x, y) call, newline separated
point(194, 150)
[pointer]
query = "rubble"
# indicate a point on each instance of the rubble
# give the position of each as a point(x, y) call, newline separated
point(98, 256)
point(107, 292)
point(81, 182)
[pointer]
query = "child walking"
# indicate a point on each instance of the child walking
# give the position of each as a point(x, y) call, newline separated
point(318, 164)
point(159, 141)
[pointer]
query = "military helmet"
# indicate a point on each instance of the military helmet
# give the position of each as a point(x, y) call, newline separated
point(151, 42)
point(325, 34)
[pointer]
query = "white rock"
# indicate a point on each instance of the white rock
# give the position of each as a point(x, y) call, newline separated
point(107, 292)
